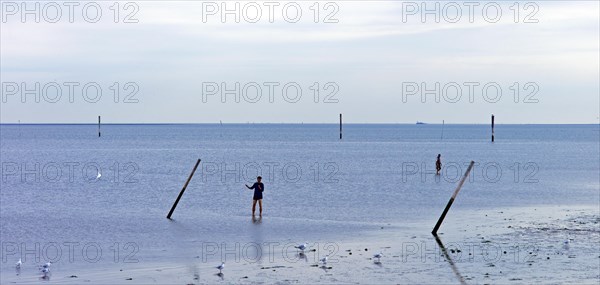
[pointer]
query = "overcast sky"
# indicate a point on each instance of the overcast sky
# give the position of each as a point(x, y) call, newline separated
point(370, 60)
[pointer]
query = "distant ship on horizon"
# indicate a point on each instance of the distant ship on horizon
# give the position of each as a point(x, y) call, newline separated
point(421, 123)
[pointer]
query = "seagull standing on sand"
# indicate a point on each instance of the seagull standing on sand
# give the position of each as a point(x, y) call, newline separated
point(301, 247)
point(45, 266)
point(46, 271)
point(19, 263)
point(324, 259)
point(378, 256)
point(221, 267)
point(98, 176)
point(566, 244)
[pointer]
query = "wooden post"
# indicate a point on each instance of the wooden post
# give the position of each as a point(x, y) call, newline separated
point(492, 127)
point(460, 184)
point(340, 126)
point(183, 190)
point(98, 126)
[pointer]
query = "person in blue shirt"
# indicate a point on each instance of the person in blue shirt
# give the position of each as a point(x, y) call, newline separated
point(258, 188)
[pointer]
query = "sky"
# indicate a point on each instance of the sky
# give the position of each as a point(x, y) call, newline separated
point(302, 61)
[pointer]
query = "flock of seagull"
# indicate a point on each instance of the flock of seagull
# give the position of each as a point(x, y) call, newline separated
point(302, 248)
point(44, 269)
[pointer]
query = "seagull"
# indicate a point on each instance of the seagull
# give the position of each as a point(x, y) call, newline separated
point(566, 244)
point(98, 176)
point(378, 256)
point(301, 247)
point(324, 259)
point(221, 267)
point(45, 266)
point(19, 263)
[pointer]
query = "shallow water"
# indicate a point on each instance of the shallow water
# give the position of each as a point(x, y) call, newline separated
point(318, 189)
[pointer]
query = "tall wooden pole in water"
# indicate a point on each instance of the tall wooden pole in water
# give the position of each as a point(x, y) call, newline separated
point(98, 126)
point(340, 126)
point(183, 190)
point(492, 127)
point(460, 184)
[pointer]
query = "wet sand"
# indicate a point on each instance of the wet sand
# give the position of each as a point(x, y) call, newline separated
point(542, 245)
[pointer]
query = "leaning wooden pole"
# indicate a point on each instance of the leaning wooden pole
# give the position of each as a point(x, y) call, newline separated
point(183, 190)
point(460, 184)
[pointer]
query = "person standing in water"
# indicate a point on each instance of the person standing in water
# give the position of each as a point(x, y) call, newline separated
point(258, 188)
point(438, 165)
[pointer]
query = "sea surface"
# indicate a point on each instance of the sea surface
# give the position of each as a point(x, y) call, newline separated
point(318, 188)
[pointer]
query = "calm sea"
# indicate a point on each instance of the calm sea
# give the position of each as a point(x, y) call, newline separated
point(316, 186)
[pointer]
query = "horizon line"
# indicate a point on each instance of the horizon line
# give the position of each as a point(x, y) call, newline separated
point(282, 123)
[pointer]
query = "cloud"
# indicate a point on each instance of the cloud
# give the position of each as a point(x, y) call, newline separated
point(171, 49)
